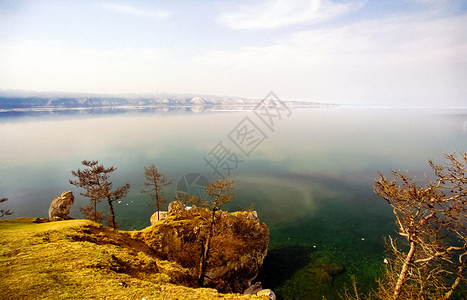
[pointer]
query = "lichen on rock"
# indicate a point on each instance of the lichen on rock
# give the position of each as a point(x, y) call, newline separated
point(157, 216)
point(238, 247)
point(60, 207)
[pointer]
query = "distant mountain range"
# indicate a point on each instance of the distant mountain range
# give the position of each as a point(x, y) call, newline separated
point(24, 102)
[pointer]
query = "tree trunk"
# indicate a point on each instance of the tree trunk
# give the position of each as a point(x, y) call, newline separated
point(456, 282)
point(204, 260)
point(403, 273)
point(158, 217)
point(157, 200)
point(205, 254)
point(95, 211)
point(112, 214)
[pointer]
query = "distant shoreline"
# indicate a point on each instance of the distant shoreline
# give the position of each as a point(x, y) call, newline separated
point(11, 104)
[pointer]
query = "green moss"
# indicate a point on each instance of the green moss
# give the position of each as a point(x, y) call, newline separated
point(79, 259)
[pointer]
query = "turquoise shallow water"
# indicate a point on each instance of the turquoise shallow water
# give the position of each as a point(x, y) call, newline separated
point(310, 177)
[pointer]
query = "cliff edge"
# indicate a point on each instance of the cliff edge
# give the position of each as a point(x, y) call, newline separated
point(79, 259)
point(237, 249)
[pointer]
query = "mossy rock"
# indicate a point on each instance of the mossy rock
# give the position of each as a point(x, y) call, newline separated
point(333, 269)
point(237, 248)
point(323, 278)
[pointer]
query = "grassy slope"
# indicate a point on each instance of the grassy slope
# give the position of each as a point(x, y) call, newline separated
point(79, 259)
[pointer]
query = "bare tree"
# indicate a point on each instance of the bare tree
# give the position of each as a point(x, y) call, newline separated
point(90, 212)
point(433, 223)
point(95, 180)
point(219, 193)
point(4, 212)
point(154, 183)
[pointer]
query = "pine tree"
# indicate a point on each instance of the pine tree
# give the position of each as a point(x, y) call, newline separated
point(95, 180)
point(154, 183)
point(219, 193)
point(4, 212)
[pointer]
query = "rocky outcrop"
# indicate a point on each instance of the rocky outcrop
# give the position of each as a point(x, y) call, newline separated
point(157, 217)
point(253, 289)
point(238, 247)
point(60, 207)
point(322, 273)
point(268, 293)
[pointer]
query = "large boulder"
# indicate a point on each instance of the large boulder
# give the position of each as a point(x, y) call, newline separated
point(157, 216)
point(268, 293)
point(60, 207)
point(237, 249)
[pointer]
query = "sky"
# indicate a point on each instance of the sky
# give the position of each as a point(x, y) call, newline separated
point(370, 52)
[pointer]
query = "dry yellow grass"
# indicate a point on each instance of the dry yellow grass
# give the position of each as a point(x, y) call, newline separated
point(79, 259)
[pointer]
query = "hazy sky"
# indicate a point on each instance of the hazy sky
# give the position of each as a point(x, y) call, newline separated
point(387, 52)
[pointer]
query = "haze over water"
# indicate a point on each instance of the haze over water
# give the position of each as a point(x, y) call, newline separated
point(310, 180)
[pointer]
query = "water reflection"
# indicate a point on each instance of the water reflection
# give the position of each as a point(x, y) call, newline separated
point(310, 181)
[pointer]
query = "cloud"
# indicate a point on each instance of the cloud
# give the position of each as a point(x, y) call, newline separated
point(395, 59)
point(278, 13)
point(411, 55)
point(42, 65)
point(134, 11)
point(399, 40)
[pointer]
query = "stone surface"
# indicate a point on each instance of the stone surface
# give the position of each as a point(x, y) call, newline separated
point(238, 247)
point(60, 207)
point(176, 208)
point(323, 278)
point(333, 269)
point(162, 216)
point(253, 289)
point(268, 293)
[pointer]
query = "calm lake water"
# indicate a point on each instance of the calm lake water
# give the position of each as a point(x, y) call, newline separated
point(309, 174)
